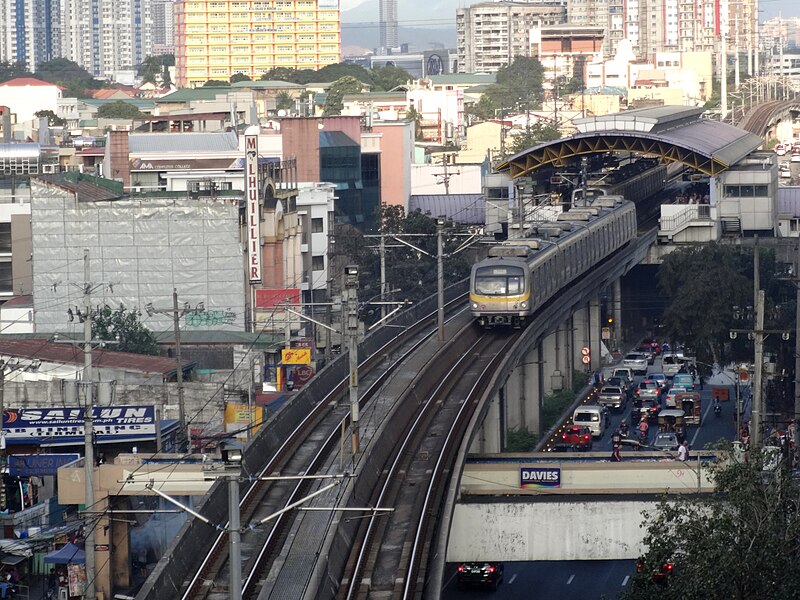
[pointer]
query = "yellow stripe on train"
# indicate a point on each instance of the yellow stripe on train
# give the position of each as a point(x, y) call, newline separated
point(492, 299)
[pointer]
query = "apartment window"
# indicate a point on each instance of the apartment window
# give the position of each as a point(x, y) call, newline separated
point(317, 225)
point(5, 237)
point(317, 263)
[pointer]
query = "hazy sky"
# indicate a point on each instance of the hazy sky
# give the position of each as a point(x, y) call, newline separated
point(770, 8)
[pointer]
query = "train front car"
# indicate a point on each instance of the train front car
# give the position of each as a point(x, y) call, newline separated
point(500, 291)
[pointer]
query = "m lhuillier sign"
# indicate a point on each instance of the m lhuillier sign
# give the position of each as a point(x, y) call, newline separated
point(253, 217)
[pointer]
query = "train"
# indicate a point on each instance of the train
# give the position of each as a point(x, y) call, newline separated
point(636, 182)
point(520, 275)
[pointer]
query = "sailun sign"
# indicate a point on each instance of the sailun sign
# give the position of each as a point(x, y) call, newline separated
point(539, 477)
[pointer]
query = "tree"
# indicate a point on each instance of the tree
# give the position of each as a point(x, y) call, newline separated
point(389, 77)
point(416, 118)
point(9, 70)
point(236, 77)
point(216, 83)
point(52, 118)
point(703, 284)
point(531, 136)
point(334, 101)
point(118, 110)
point(740, 542)
point(123, 326)
point(76, 81)
point(330, 73)
point(521, 82)
point(284, 101)
point(150, 70)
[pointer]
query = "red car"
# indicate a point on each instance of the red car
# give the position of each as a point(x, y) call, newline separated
point(653, 344)
point(660, 575)
point(577, 438)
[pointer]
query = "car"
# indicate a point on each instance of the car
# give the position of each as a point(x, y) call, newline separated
point(620, 382)
point(648, 406)
point(666, 441)
point(612, 396)
point(661, 379)
point(648, 352)
point(648, 388)
point(488, 574)
point(635, 361)
point(653, 343)
point(625, 372)
point(784, 171)
point(669, 399)
point(576, 438)
point(683, 380)
point(795, 156)
point(660, 574)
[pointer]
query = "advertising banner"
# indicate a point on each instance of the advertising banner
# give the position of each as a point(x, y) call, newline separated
point(296, 356)
point(253, 214)
point(237, 418)
point(28, 424)
point(38, 465)
point(539, 477)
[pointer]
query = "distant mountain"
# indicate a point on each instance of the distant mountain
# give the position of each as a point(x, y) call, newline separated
point(423, 24)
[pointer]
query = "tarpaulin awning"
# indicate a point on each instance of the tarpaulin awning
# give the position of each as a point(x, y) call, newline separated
point(67, 554)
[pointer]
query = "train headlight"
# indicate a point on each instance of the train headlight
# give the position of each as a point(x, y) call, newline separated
point(523, 305)
point(475, 305)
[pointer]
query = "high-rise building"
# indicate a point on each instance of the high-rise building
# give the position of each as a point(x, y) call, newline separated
point(669, 25)
point(106, 37)
point(216, 39)
point(490, 34)
point(163, 27)
point(388, 22)
point(28, 34)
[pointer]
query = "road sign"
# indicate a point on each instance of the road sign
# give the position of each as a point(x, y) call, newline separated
point(586, 359)
point(585, 350)
point(606, 333)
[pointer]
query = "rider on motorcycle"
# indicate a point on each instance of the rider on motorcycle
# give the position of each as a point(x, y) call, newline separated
point(623, 427)
point(717, 407)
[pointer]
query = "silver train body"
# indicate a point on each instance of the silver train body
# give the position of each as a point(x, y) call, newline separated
point(520, 275)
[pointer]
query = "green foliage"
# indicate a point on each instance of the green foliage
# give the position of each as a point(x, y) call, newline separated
point(518, 87)
point(579, 379)
point(702, 284)
point(284, 101)
point(123, 326)
point(416, 118)
point(118, 110)
point(52, 118)
point(554, 406)
point(531, 136)
point(334, 101)
point(520, 440)
point(388, 78)
point(740, 542)
point(154, 69)
point(216, 83)
point(301, 77)
point(76, 81)
point(9, 70)
point(237, 77)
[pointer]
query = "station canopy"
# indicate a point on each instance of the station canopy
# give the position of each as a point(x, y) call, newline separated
point(674, 133)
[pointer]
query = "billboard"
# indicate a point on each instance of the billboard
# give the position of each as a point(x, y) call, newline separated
point(539, 477)
point(53, 426)
point(38, 465)
point(253, 214)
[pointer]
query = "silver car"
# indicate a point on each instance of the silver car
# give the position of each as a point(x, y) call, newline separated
point(666, 441)
point(612, 396)
point(636, 362)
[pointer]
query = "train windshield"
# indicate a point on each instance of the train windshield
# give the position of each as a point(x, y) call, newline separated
point(499, 280)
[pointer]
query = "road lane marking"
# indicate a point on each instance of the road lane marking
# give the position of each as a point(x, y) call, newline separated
point(513, 577)
point(625, 581)
point(571, 577)
point(697, 431)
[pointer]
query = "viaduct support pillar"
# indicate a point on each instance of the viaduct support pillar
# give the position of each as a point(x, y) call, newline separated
point(617, 329)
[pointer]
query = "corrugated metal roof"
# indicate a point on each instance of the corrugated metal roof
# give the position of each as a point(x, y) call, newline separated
point(267, 85)
point(189, 94)
point(189, 143)
point(48, 351)
point(468, 209)
point(84, 190)
point(25, 301)
point(21, 150)
point(787, 200)
point(463, 78)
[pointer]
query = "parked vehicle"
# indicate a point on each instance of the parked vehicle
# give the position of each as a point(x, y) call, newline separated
point(593, 417)
point(612, 397)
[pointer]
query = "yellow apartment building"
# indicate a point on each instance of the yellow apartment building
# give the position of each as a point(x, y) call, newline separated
point(216, 38)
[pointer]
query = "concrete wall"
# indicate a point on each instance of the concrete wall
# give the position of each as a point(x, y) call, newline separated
point(569, 529)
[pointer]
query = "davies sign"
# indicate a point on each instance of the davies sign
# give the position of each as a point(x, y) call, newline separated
point(539, 477)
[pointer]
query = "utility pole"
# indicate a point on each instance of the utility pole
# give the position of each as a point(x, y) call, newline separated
point(796, 347)
point(724, 73)
point(88, 427)
point(440, 277)
point(383, 272)
point(446, 175)
point(758, 403)
point(235, 541)
point(351, 292)
point(183, 439)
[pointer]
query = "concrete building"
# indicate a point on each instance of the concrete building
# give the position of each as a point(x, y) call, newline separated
point(565, 50)
point(441, 112)
point(29, 35)
point(139, 252)
point(668, 25)
point(490, 34)
point(216, 39)
point(106, 37)
point(163, 27)
point(388, 24)
point(25, 96)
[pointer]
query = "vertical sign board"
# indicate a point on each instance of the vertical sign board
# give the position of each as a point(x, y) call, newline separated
point(539, 478)
point(253, 216)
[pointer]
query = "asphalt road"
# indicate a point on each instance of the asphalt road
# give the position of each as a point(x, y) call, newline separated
point(596, 580)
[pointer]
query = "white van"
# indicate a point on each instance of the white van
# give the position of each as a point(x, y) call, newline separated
point(593, 417)
point(672, 362)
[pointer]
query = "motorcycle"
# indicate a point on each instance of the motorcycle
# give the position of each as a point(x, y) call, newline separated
point(717, 410)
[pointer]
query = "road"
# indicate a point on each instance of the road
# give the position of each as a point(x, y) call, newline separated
point(590, 580)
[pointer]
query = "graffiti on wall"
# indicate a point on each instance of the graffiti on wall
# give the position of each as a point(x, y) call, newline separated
point(210, 318)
